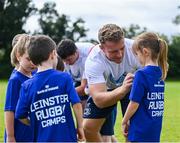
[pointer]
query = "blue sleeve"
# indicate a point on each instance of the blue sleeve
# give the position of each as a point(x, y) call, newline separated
point(73, 96)
point(12, 95)
point(138, 88)
point(23, 105)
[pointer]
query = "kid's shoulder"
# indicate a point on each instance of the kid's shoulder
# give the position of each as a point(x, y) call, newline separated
point(60, 74)
point(14, 77)
point(140, 73)
point(28, 82)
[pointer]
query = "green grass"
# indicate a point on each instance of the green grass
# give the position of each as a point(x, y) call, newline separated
point(171, 122)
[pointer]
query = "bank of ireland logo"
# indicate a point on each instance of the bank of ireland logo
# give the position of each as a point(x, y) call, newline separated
point(87, 110)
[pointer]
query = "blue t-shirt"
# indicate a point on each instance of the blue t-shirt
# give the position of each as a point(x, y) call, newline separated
point(48, 96)
point(22, 132)
point(148, 91)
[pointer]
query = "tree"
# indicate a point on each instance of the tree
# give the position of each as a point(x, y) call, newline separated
point(13, 15)
point(59, 26)
point(133, 30)
point(174, 56)
point(177, 18)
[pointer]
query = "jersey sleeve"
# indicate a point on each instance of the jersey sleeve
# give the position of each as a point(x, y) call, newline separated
point(94, 72)
point(73, 96)
point(138, 88)
point(23, 105)
point(12, 95)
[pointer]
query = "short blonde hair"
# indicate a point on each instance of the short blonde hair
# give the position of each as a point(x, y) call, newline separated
point(19, 45)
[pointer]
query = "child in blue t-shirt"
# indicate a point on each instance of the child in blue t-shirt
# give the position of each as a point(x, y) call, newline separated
point(143, 119)
point(48, 97)
point(15, 131)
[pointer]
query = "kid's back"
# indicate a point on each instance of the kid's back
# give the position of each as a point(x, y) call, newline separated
point(48, 96)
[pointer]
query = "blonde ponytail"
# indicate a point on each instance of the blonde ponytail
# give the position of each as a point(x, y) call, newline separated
point(163, 57)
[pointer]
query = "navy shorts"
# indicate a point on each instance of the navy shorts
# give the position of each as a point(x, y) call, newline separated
point(124, 103)
point(91, 111)
point(108, 127)
point(85, 97)
point(82, 98)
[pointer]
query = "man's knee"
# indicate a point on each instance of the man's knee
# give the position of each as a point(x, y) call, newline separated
point(92, 125)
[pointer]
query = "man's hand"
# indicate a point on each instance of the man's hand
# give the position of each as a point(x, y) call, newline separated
point(127, 83)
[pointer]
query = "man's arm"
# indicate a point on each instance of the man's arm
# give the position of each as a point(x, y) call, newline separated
point(103, 98)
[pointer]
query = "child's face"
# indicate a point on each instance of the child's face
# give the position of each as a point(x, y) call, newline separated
point(140, 57)
point(25, 63)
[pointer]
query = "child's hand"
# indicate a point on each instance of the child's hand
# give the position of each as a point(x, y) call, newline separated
point(81, 136)
point(125, 127)
point(10, 139)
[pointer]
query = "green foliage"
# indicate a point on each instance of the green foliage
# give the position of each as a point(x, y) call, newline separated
point(133, 30)
point(13, 15)
point(177, 18)
point(174, 56)
point(59, 26)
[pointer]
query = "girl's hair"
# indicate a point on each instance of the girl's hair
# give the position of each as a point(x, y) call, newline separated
point(60, 64)
point(158, 47)
point(15, 40)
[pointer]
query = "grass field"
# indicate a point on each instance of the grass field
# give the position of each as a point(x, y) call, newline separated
point(171, 122)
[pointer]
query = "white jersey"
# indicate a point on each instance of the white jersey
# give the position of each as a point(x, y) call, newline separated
point(98, 69)
point(77, 69)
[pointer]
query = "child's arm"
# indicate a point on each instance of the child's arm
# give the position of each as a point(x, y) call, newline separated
point(25, 121)
point(131, 109)
point(9, 125)
point(77, 108)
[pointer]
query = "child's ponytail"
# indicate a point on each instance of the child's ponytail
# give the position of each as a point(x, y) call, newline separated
point(162, 60)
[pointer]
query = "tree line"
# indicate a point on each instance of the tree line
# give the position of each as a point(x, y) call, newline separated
point(14, 15)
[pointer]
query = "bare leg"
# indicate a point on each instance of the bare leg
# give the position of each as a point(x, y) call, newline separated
point(92, 128)
point(106, 138)
point(114, 139)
